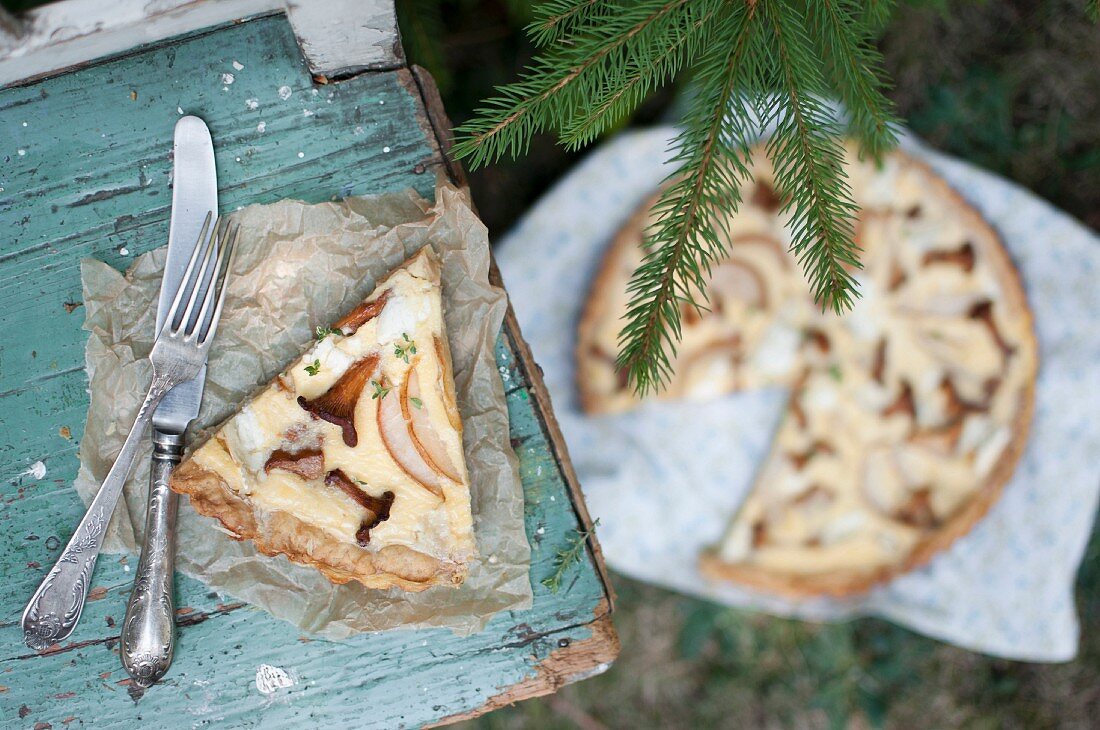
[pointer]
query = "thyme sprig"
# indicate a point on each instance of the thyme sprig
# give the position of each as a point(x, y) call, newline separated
point(402, 350)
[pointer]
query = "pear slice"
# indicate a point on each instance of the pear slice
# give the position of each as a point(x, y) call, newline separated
point(427, 441)
point(397, 435)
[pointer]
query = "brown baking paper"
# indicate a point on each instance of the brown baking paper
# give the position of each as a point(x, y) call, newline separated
point(299, 266)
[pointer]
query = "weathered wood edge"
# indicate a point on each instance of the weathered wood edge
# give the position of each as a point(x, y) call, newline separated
point(589, 657)
point(337, 38)
point(573, 663)
point(441, 125)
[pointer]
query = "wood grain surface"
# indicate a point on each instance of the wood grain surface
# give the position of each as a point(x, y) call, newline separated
point(84, 172)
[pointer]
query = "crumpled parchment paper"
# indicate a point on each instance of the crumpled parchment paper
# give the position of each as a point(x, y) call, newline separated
point(299, 266)
point(1006, 588)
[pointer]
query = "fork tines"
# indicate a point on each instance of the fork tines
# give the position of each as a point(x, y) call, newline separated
point(203, 282)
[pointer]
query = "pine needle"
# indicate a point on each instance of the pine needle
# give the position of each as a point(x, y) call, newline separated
point(568, 556)
point(556, 19)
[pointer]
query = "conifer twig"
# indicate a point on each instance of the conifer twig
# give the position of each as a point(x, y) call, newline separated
point(687, 237)
point(808, 161)
point(568, 556)
point(754, 63)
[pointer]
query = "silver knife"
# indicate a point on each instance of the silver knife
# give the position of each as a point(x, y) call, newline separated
point(148, 632)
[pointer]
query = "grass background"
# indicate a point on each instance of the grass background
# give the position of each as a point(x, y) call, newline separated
point(1012, 86)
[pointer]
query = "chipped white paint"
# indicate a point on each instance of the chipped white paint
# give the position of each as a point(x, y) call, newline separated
point(228, 78)
point(124, 251)
point(301, 154)
point(252, 104)
point(37, 470)
point(307, 113)
point(22, 152)
point(285, 92)
point(238, 66)
point(261, 127)
point(336, 37)
point(271, 679)
point(386, 149)
point(179, 110)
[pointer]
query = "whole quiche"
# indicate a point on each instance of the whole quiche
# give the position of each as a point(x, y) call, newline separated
point(905, 416)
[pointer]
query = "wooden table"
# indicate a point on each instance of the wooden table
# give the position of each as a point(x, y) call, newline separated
point(84, 172)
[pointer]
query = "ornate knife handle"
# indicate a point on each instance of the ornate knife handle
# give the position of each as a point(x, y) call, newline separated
point(148, 633)
point(54, 609)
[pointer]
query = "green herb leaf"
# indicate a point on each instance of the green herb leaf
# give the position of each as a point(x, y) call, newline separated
point(314, 368)
point(401, 351)
point(380, 390)
point(323, 332)
point(417, 403)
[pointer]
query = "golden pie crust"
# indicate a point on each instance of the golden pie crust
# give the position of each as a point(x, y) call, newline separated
point(905, 417)
point(245, 475)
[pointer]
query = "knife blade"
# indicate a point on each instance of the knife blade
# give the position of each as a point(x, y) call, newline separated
point(148, 631)
point(194, 194)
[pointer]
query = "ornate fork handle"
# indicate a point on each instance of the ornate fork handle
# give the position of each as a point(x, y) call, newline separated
point(54, 609)
point(148, 633)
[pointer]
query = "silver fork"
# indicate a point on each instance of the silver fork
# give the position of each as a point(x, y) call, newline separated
point(178, 353)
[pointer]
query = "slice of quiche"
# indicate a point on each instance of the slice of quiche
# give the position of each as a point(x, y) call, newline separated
point(351, 459)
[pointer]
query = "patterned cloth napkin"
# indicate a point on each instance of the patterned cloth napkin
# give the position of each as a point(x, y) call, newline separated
point(665, 479)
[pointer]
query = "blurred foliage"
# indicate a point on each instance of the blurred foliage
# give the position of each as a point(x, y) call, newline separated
point(18, 6)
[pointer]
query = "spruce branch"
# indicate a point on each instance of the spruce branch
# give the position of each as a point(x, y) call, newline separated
point(856, 70)
point(753, 63)
point(632, 84)
point(568, 556)
point(808, 161)
point(561, 82)
point(687, 238)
